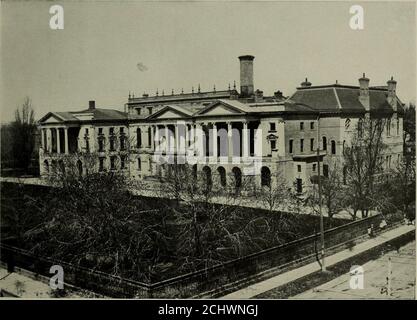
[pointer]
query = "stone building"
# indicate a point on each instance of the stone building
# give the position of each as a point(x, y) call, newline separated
point(227, 134)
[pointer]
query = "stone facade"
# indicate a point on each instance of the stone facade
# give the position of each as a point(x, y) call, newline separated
point(225, 133)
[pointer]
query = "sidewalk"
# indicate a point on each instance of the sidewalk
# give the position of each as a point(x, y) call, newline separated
point(284, 278)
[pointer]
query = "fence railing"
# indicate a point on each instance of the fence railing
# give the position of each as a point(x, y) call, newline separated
point(193, 283)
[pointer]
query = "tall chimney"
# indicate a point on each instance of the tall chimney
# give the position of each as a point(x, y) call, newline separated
point(91, 105)
point(392, 96)
point(246, 76)
point(364, 92)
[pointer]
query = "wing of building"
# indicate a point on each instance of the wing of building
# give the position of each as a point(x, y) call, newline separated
point(227, 134)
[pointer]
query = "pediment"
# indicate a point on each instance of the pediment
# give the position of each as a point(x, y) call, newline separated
point(169, 113)
point(51, 118)
point(220, 109)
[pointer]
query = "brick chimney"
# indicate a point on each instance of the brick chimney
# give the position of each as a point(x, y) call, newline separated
point(91, 105)
point(392, 96)
point(246, 76)
point(364, 92)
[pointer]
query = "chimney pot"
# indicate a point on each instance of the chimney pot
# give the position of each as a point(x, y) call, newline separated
point(91, 105)
point(306, 83)
point(364, 92)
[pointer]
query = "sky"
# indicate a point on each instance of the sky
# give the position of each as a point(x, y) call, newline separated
point(109, 48)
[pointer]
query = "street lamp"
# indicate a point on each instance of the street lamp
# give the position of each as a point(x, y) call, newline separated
point(323, 265)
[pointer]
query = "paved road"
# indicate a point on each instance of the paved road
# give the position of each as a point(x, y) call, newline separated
point(403, 279)
point(284, 278)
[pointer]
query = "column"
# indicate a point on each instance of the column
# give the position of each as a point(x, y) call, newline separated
point(58, 140)
point(245, 144)
point(177, 142)
point(230, 140)
point(199, 137)
point(258, 142)
point(215, 151)
point(167, 145)
point(43, 139)
point(66, 141)
point(156, 141)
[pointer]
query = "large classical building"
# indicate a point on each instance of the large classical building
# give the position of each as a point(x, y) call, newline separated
point(226, 134)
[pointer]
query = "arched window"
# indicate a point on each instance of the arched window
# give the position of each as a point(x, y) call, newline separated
point(265, 177)
point(207, 177)
point(238, 178)
point(138, 138)
point(222, 176)
point(61, 167)
point(333, 144)
point(324, 143)
point(46, 165)
point(80, 168)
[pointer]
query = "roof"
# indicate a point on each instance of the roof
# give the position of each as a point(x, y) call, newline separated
point(97, 114)
point(342, 98)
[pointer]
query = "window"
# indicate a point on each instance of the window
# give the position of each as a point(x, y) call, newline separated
point(122, 162)
point(291, 145)
point(112, 163)
point(312, 144)
point(299, 183)
point(87, 145)
point(298, 168)
point(325, 170)
point(112, 148)
point(111, 130)
point(150, 110)
point(139, 164)
point(314, 167)
point(273, 145)
point(333, 143)
point(347, 123)
point(122, 130)
point(100, 144)
point(138, 111)
point(138, 138)
point(122, 143)
point(101, 164)
point(324, 143)
point(149, 137)
point(301, 145)
point(86, 131)
point(388, 127)
point(360, 125)
point(100, 130)
point(272, 126)
point(301, 126)
point(312, 125)
point(398, 127)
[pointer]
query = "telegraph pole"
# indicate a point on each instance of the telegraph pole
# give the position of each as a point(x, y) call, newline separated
point(323, 266)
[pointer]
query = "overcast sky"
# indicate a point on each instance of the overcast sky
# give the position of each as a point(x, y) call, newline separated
point(181, 44)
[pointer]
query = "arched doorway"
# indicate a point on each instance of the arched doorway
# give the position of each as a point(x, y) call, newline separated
point(207, 177)
point(80, 168)
point(61, 166)
point(222, 176)
point(238, 178)
point(265, 177)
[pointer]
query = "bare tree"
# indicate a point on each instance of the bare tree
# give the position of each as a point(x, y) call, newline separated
point(23, 131)
point(363, 161)
point(332, 191)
